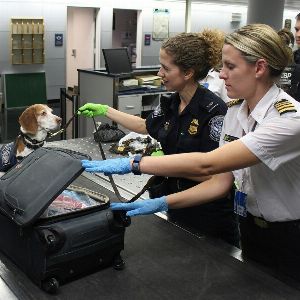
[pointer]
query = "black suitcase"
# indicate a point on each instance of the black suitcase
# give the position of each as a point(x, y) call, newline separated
point(53, 250)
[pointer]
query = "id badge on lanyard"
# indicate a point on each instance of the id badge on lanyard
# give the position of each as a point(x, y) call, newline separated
point(240, 203)
point(240, 198)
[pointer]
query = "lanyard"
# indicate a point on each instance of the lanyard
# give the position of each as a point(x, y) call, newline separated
point(240, 188)
point(253, 128)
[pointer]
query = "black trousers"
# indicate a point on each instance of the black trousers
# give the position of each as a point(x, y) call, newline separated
point(273, 244)
point(216, 219)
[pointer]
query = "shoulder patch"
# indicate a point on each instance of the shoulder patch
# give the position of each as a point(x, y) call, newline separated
point(215, 127)
point(158, 112)
point(234, 102)
point(284, 106)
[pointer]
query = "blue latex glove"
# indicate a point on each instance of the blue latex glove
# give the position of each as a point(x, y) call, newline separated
point(108, 166)
point(142, 207)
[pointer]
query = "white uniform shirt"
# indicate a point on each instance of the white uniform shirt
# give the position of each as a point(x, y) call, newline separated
point(273, 185)
point(215, 84)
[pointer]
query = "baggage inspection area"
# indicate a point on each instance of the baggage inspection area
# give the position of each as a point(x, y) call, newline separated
point(162, 261)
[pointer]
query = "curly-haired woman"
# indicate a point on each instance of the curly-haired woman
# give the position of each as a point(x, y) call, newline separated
point(190, 120)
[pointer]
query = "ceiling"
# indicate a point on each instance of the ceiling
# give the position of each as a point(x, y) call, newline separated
point(289, 4)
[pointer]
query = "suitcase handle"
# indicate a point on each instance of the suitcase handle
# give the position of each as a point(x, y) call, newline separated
point(53, 238)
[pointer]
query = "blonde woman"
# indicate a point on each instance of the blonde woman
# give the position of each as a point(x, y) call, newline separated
point(259, 149)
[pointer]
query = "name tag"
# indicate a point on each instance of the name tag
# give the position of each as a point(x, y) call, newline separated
point(240, 204)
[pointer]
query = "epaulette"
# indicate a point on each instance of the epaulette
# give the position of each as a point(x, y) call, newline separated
point(234, 102)
point(283, 106)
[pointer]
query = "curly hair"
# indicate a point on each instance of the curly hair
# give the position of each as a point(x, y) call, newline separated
point(197, 51)
point(257, 41)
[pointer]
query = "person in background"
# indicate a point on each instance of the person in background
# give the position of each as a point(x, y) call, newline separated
point(297, 39)
point(190, 120)
point(215, 84)
point(287, 37)
point(259, 150)
point(289, 84)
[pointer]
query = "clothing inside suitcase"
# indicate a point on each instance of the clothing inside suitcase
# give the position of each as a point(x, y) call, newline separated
point(57, 248)
point(82, 194)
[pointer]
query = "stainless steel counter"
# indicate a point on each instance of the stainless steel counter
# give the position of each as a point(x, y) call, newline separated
point(128, 184)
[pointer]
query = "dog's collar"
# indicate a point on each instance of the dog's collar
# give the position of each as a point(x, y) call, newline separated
point(31, 143)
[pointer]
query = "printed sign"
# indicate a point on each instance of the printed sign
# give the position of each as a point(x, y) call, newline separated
point(58, 39)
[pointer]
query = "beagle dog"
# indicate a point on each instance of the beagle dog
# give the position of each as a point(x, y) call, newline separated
point(36, 122)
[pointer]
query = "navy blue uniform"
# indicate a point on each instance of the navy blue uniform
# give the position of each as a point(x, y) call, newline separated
point(196, 129)
point(297, 56)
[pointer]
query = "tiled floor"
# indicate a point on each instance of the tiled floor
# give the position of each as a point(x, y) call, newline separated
point(9, 125)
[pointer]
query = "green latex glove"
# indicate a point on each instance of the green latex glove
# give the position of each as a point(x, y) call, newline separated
point(93, 110)
point(157, 153)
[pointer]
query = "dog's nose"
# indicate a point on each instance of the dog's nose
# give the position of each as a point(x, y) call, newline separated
point(58, 120)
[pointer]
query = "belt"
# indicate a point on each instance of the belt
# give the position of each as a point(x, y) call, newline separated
point(262, 223)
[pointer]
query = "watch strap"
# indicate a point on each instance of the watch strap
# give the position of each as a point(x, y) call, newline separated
point(136, 165)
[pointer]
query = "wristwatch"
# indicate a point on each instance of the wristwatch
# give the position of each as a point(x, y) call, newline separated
point(135, 168)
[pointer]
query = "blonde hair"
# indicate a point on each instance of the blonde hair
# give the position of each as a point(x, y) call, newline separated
point(257, 41)
point(198, 51)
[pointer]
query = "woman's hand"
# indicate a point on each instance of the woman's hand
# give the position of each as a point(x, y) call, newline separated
point(93, 110)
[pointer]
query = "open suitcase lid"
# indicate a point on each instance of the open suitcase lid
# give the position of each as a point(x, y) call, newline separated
point(29, 187)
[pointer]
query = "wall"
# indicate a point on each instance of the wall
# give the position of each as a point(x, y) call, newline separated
point(55, 17)
point(124, 33)
point(203, 14)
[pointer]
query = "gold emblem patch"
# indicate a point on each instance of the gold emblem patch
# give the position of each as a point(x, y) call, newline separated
point(229, 138)
point(283, 106)
point(193, 127)
point(234, 102)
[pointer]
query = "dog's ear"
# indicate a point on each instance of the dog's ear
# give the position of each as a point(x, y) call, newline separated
point(28, 120)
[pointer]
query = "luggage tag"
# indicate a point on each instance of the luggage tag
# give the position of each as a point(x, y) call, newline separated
point(240, 203)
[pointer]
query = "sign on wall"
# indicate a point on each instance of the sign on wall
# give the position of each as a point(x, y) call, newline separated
point(160, 24)
point(58, 39)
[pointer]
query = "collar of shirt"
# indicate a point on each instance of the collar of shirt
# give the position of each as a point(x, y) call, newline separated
point(194, 106)
point(260, 110)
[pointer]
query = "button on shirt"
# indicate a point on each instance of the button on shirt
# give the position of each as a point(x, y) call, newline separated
point(273, 185)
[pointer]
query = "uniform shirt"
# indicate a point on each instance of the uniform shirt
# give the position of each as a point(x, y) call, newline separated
point(196, 129)
point(273, 185)
point(215, 84)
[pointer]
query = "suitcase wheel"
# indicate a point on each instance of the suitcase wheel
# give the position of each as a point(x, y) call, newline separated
point(118, 263)
point(50, 285)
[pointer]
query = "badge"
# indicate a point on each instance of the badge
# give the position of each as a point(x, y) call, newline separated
point(240, 204)
point(166, 126)
point(229, 138)
point(193, 129)
point(215, 126)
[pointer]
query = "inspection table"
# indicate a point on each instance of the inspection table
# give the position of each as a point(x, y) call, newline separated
point(163, 261)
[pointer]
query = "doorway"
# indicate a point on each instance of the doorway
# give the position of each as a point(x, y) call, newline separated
point(79, 42)
point(124, 32)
